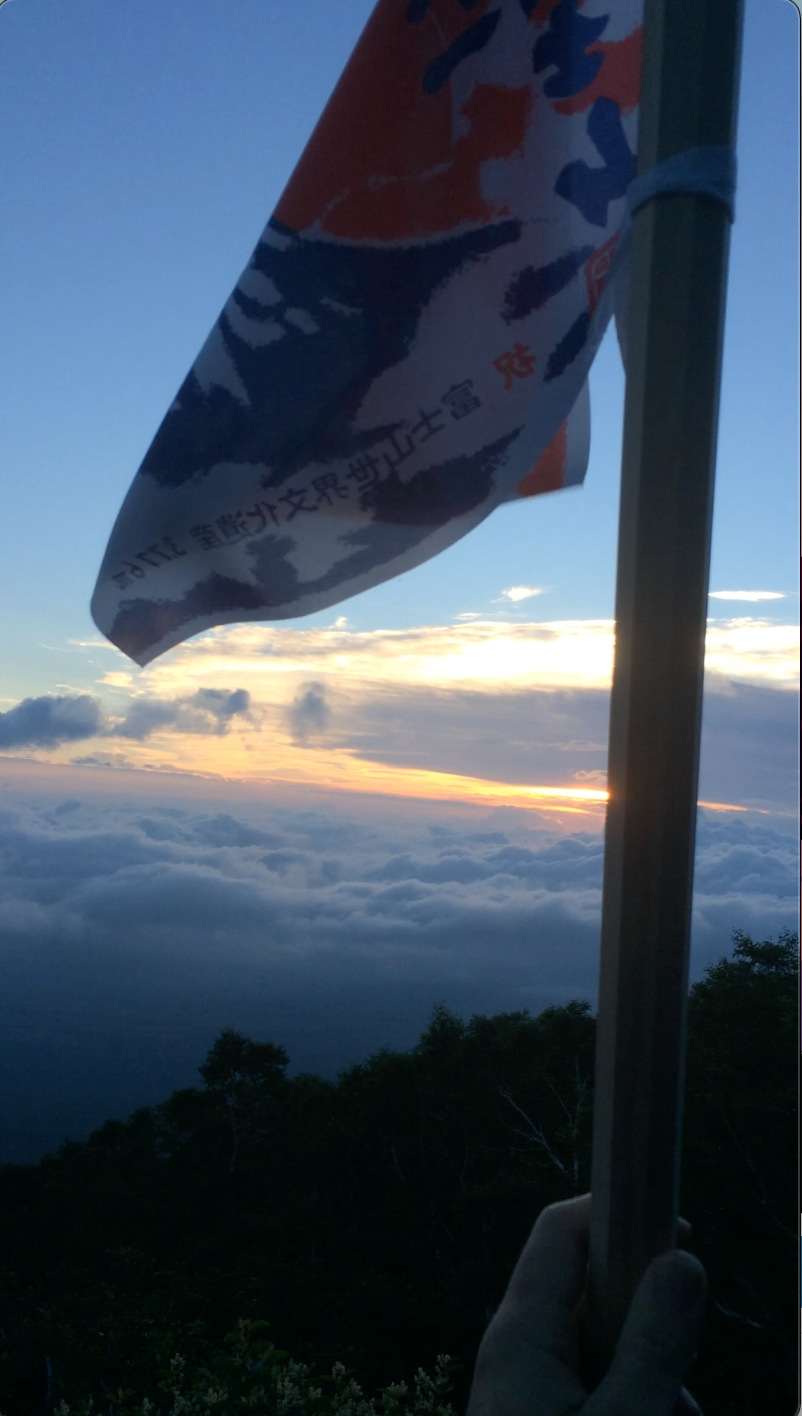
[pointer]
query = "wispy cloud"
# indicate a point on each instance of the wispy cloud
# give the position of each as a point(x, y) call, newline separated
point(481, 655)
point(516, 593)
point(747, 595)
point(755, 651)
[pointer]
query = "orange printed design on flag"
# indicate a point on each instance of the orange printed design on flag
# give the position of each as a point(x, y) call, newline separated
point(515, 363)
point(407, 174)
point(597, 271)
point(548, 473)
point(617, 79)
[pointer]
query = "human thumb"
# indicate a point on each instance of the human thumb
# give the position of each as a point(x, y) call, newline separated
point(657, 1342)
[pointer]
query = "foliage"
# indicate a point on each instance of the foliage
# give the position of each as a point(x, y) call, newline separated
point(375, 1221)
point(258, 1376)
point(740, 1172)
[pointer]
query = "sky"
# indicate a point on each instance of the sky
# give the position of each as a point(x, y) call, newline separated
point(318, 829)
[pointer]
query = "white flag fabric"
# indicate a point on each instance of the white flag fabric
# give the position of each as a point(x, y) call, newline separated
point(409, 344)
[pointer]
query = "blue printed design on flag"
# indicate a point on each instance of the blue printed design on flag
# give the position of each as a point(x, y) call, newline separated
point(533, 286)
point(591, 189)
point(564, 47)
point(568, 348)
point(469, 42)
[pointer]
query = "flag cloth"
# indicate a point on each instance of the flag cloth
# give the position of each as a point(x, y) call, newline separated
point(409, 344)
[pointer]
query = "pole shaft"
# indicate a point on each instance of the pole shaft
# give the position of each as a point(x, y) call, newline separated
point(675, 325)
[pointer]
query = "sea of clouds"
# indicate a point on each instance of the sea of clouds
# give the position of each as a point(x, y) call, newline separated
point(132, 932)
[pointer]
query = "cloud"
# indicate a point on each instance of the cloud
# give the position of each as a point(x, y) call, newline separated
point(484, 655)
point(515, 593)
point(749, 744)
point(207, 711)
point(528, 737)
point(746, 595)
point(101, 759)
point(144, 717)
point(523, 747)
point(48, 721)
point(309, 713)
point(756, 651)
point(131, 934)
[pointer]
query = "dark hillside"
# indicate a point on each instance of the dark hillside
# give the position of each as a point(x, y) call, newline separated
point(376, 1220)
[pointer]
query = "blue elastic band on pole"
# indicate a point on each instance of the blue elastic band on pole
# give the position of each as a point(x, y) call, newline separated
point(703, 171)
point(706, 171)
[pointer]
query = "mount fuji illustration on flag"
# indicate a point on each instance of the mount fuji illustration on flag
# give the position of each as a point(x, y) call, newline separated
point(409, 344)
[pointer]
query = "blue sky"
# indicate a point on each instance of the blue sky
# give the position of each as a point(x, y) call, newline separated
point(423, 770)
point(144, 147)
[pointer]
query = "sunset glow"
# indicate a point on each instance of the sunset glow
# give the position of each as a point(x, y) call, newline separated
point(482, 711)
point(374, 697)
